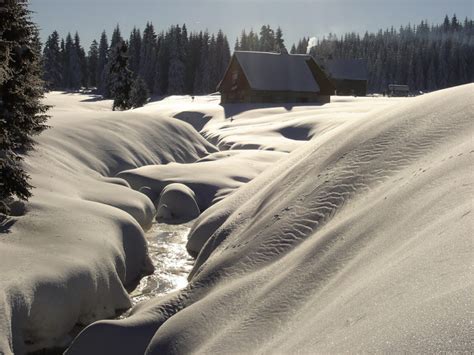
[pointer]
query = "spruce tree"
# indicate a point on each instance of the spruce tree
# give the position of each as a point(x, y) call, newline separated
point(134, 49)
point(176, 73)
point(279, 41)
point(101, 72)
point(80, 68)
point(163, 64)
point(116, 37)
point(202, 78)
point(148, 56)
point(52, 62)
point(69, 59)
point(92, 64)
point(120, 77)
point(139, 93)
point(22, 114)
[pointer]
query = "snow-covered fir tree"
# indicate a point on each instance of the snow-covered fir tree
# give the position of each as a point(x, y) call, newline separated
point(139, 93)
point(120, 77)
point(22, 114)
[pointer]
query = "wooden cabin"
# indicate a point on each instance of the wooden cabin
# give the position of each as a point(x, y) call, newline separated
point(349, 76)
point(261, 77)
point(398, 90)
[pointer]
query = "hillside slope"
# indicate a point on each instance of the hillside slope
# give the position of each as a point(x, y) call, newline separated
point(359, 241)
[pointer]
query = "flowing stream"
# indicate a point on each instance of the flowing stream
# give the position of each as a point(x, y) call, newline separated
point(167, 250)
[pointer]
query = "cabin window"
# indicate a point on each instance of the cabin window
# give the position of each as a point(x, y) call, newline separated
point(235, 78)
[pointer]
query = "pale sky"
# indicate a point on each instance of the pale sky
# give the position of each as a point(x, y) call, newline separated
point(297, 18)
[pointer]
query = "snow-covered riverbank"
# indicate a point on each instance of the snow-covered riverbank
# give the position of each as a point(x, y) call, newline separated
point(327, 238)
point(358, 241)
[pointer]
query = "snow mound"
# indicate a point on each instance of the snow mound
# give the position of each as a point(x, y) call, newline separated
point(359, 241)
point(68, 259)
point(211, 178)
point(177, 203)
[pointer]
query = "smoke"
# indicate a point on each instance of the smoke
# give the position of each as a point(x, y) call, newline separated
point(311, 43)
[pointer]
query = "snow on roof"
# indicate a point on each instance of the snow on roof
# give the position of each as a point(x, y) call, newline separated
point(350, 69)
point(277, 72)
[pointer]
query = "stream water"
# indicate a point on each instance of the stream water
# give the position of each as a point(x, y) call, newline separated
point(167, 249)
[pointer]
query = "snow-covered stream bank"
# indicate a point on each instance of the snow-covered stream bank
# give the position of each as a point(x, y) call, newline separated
point(306, 210)
point(358, 241)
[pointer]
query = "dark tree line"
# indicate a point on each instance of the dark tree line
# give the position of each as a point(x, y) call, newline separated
point(21, 113)
point(165, 63)
point(425, 57)
point(267, 40)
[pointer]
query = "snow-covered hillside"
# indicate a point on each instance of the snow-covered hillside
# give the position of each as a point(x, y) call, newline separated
point(360, 240)
point(342, 227)
point(69, 258)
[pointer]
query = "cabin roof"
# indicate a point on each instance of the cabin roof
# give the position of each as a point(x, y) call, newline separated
point(277, 72)
point(348, 69)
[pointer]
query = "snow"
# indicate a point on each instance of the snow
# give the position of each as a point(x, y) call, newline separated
point(359, 240)
point(344, 227)
point(177, 203)
point(211, 178)
point(69, 258)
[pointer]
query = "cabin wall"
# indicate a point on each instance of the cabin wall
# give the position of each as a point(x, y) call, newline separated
point(256, 96)
point(350, 87)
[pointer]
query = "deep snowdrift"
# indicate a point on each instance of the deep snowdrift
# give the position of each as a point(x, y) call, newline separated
point(211, 178)
point(359, 241)
point(66, 261)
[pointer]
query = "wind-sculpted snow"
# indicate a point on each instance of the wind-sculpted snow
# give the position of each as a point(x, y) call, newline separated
point(211, 178)
point(68, 255)
point(358, 241)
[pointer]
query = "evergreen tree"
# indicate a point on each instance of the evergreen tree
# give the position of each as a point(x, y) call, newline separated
point(163, 63)
point(426, 57)
point(279, 41)
point(52, 62)
point(22, 114)
point(67, 54)
point(80, 54)
point(148, 56)
point(176, 74)
point(92, 64)
point(139, 93)
point(267, 39)
point(202, 78)
point(120, 77)
point(116, 37)
point(193, 54)
point(101, 71)
point(134, 48)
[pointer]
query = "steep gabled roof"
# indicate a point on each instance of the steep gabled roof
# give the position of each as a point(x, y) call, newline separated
point(277, 72)
point(349, 69)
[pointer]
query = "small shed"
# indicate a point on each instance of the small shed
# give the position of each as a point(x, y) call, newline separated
point(262, 77)
point(349, 76)
point(398, 90)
